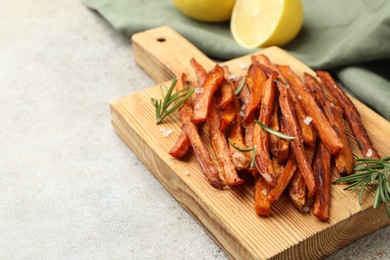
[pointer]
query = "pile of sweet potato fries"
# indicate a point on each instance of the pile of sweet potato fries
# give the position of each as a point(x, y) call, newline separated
point(309, 115)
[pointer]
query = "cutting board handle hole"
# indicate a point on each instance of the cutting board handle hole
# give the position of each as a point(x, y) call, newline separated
point(161, 39)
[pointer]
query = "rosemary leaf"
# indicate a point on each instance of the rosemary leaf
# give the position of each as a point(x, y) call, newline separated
point(239, 88)
point(240, 148)
point(178, 104)
point(253, 157)
point(276, 133)
point(358, 184)
point(168, 95)
point(246, 150)
point(361, 193)
point(170, 101)
point(377, 199)
point(380, 187)
point(371, 172)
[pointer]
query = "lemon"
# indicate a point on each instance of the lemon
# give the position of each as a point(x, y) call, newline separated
point(262, 23)
point(206, 10)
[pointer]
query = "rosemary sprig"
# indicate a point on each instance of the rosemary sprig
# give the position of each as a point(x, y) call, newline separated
point(246, 150)
point(239, 88)
point(271, 131)
point(163, 106)
point(370, 171)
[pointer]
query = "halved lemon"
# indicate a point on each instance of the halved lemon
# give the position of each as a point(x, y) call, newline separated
point(206, 10)
point(262, 23)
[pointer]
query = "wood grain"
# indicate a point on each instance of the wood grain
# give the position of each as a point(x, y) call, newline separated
point(228, 215)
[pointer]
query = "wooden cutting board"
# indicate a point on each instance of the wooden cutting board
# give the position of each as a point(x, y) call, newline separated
point(228, 215)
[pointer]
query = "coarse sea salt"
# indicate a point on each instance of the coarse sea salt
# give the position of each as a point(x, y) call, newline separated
point(307, 120)
point(242, 66)
point(369, 153)
point(199, 90)
point(232, 76)
point(166, 132)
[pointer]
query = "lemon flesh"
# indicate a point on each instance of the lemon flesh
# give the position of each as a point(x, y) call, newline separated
point(206, 10)
point(263, 23)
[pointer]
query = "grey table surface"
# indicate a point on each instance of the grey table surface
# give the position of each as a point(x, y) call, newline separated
point(69, 187)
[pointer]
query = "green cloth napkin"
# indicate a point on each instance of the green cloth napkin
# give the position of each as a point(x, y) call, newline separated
point(350, 37)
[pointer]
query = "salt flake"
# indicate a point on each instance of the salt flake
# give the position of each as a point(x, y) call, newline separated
point(232, 76)
point(369, 152)
point(199, 90)
point(242, 66)
point(307, 120)
point(166, 132)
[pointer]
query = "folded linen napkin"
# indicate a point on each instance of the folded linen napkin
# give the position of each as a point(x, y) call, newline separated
point(351, 38)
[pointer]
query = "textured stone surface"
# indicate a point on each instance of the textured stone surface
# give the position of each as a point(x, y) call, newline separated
point(69, 187)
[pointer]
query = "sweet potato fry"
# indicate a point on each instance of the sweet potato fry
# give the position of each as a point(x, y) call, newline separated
point(258, 77)
point(245, 96)
point(351, 114)
point(322, 168)
point(191, 131)
point(227, 115)
point(297, 190)
point(262, 203)
point(263, 62)
point(249, 142)
point(284, 145)
point(324, 130)
point(344, 158)
point(274, 125)
point(283, 179)
point(307, 131)
point(226, 95)
point(297, 187)
point(203, 156)
point(262, 159)
point(320, 94)
point(201, 73)
point(220, 145)
point(248, 126)
point(185, 110)
point(241, 160)
point(297, 147)
point(201, 106)
point(182, 145)
point(278, 168)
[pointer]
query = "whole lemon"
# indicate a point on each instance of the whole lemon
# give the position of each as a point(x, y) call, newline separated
point(206, 10)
